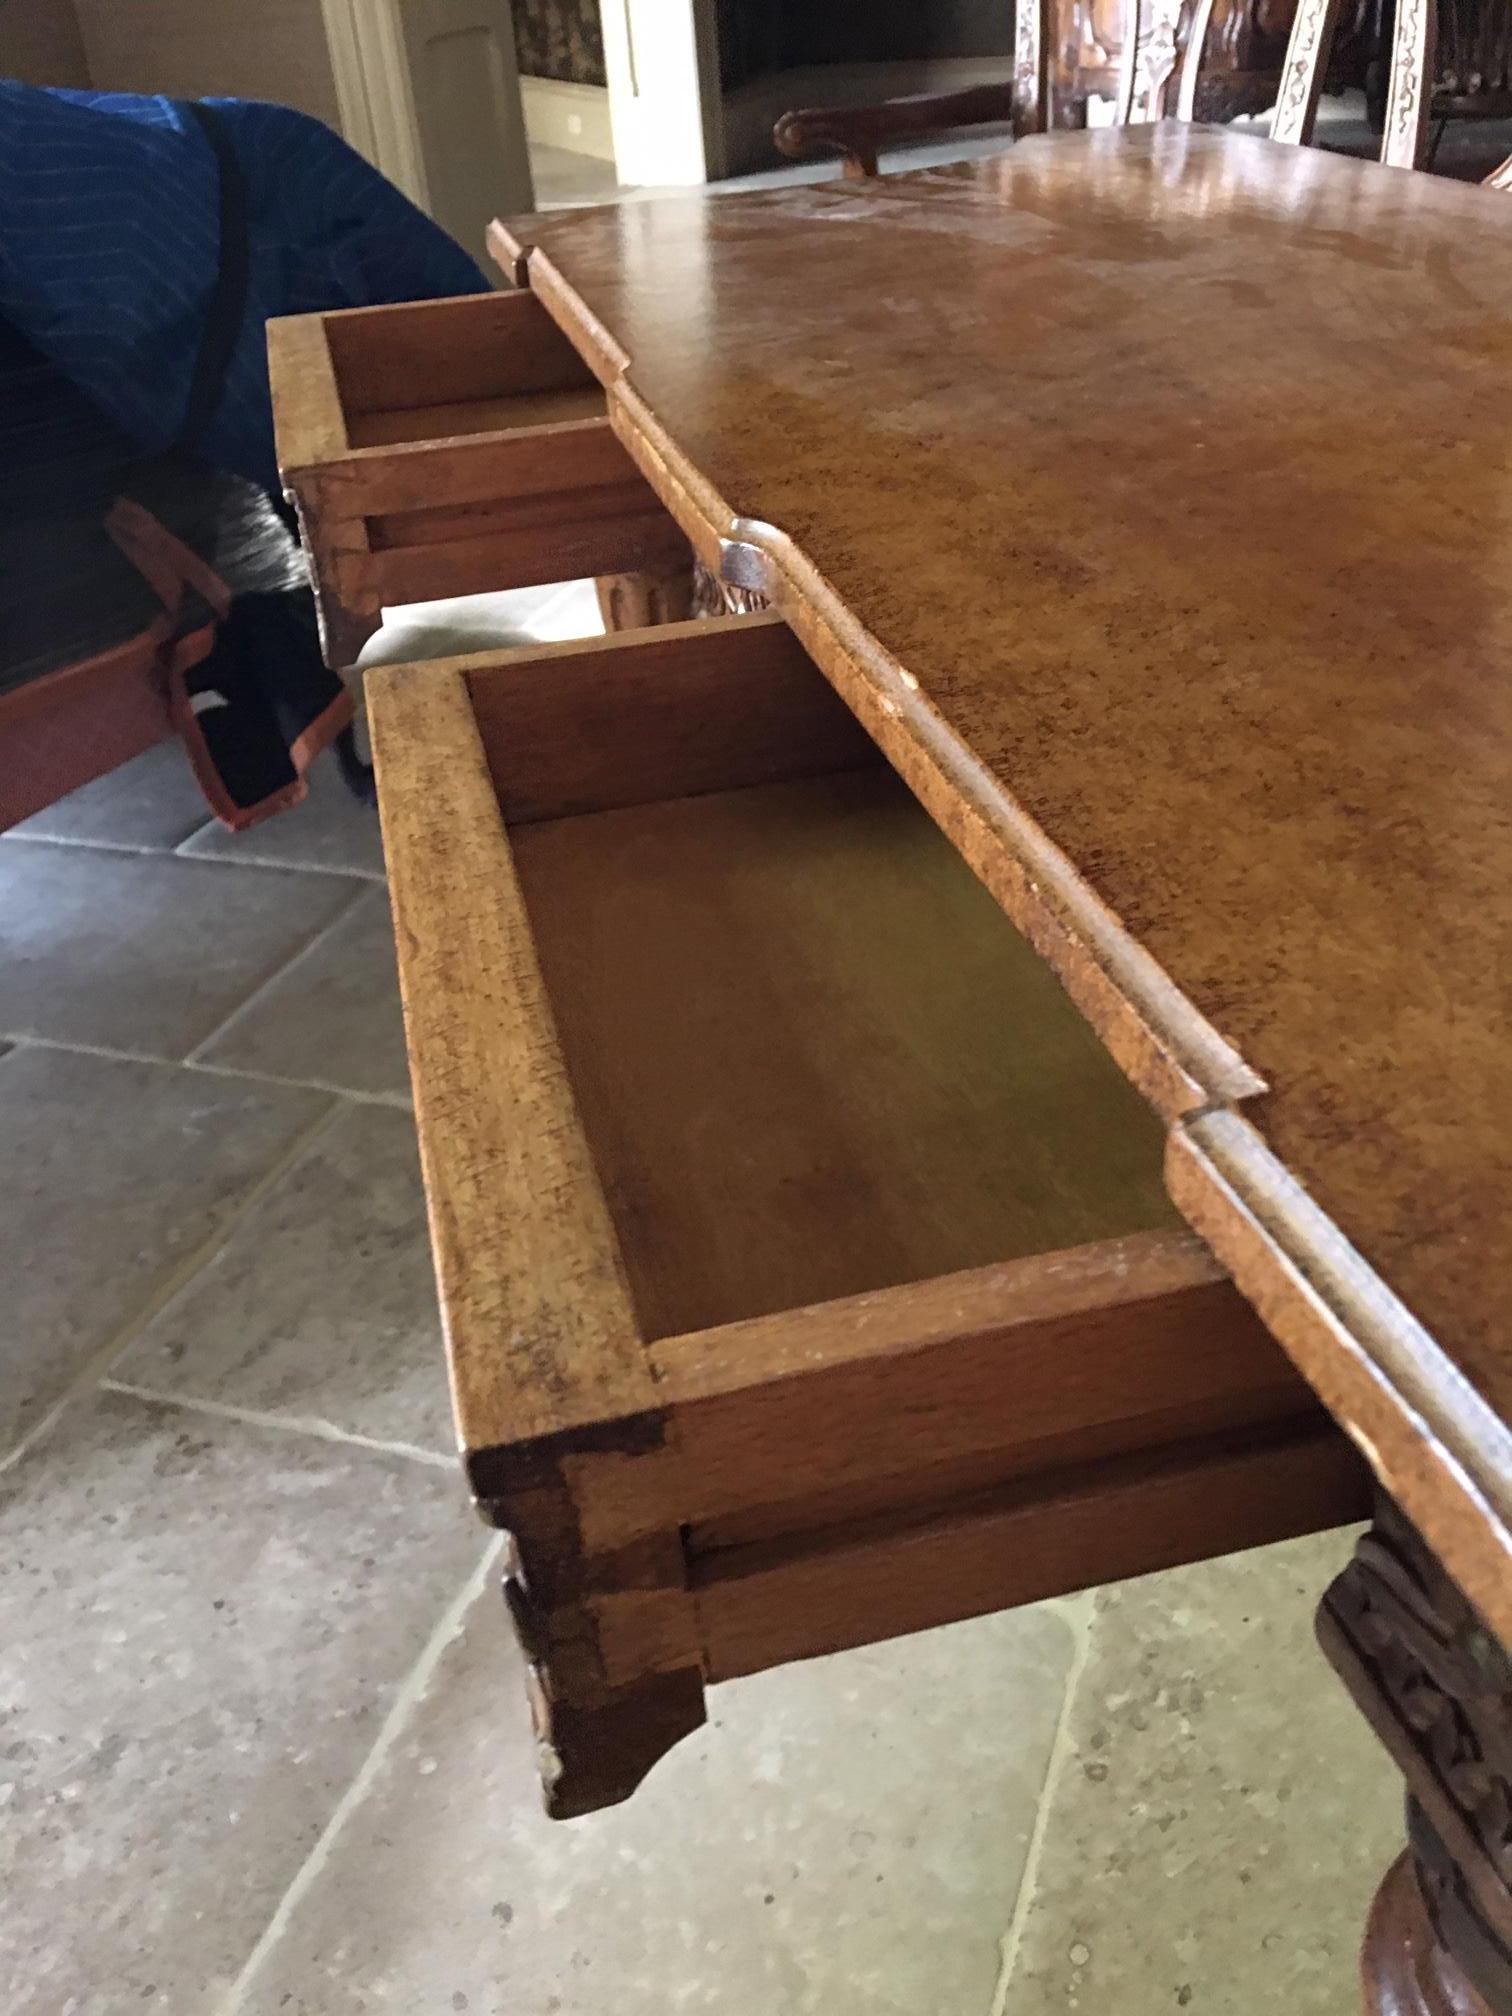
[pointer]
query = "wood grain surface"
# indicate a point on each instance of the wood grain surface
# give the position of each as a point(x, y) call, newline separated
point(812, 1058)
point(911, 1397)
point(598, 723)
point(540, 1331)
point(437, 353)
point(1144, 494)
point(1015, 1543)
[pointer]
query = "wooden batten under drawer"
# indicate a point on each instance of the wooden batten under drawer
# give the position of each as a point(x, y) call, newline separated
point(447, 448)
point(807, 1271)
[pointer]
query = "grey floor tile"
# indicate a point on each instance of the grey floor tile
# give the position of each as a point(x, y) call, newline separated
point(825, 168)
point(333, 1017)
point(205, 1627)
point(113, 1174)
point(330, 830)
point(151, 802)
point(322, 1303)
point(846, 1838)
point(143, 952)
point(1224, 1816)
point(563, 178)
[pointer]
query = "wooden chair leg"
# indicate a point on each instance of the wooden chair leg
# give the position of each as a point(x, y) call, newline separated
point(1437, 1689)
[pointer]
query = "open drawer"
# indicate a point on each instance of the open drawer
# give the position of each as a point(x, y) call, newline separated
point(807, 1272)
point(447, 448)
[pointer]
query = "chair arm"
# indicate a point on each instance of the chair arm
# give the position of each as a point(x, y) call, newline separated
point(859, 130)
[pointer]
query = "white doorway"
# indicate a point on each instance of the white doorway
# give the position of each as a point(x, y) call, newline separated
point(692, 88)
point(565, 91)
point(429, 90)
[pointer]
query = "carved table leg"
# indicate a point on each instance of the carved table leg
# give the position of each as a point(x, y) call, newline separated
point(636, 601)
point(713, 597)
point(1437, 1689)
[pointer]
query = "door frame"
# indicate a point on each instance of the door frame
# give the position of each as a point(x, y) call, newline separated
point(665, 107)
point(370, 61)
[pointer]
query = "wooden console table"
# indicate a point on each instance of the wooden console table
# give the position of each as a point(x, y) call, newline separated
point(812, 1261)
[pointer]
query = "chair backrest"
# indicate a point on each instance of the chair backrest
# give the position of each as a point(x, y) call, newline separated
point(1147, 63)
point(1414, 42)
point(1033, 33)
point(1149, 60)
point(1147, 66)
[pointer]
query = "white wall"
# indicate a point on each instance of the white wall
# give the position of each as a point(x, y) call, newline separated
point(40, 43)
point(663, 90)
point(211, 48)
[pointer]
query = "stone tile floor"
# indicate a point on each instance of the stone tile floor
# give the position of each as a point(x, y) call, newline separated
point(263, 1747)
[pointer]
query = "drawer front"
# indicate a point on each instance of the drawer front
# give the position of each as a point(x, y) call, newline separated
point(807, 1268)
point(448, 448)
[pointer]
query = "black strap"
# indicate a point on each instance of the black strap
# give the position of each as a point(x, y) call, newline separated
point(228, 302)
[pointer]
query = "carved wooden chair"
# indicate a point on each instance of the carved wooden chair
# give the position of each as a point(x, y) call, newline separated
point(1409, 101)
point(1149, 65)
point(1404, 141)
point(1410, 89)
point(1152, 61)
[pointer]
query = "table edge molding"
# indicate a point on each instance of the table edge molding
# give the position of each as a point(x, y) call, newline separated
point(1434, 1444)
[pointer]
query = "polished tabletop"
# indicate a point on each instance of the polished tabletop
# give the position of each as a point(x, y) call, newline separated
point(1149, 494)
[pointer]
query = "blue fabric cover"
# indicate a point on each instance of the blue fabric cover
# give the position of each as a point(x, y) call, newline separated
point(109, 247)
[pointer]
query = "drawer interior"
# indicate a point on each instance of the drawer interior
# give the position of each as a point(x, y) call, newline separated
point(811, 1055)
point(451, 447)
point(807, 1269)
point(438, 370)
